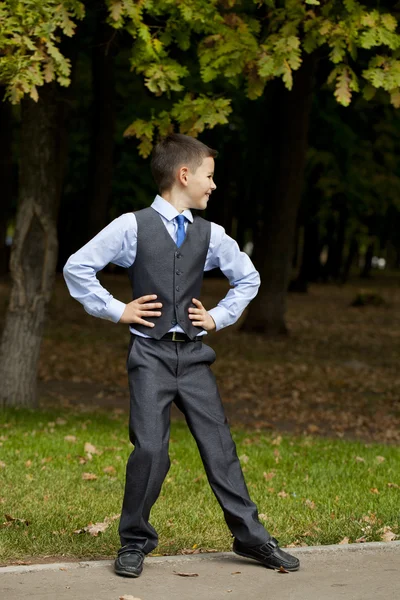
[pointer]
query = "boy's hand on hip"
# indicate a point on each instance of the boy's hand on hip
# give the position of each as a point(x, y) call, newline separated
point(139, 308)
point(200, 317)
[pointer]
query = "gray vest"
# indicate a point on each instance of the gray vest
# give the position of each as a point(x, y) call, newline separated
point(174, 274)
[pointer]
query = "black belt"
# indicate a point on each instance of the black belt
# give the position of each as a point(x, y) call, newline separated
point(178, 336)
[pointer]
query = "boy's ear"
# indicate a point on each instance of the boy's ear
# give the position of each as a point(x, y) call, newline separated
point(183, 175)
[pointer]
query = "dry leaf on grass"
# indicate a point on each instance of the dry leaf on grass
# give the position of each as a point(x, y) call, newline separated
point(89, 476)
point(244, 458)
point(345, 540)
point(281, 570)
point(70, 438)
point(268, 476)
point(387, 534)
point(310, 504)
point(393, 485)
point(374, 490)
point(263, 516)
point(96, 528)
point(10, 520)
point(128, 597)
point(359, 459)
point(186, 574)
point(379, 459)
point(90, 449)
point(2, 464)
point(109, 469)
point(283, 494)
point(361, 540)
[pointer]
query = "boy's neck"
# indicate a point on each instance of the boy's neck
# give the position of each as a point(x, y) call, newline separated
point(178, 200)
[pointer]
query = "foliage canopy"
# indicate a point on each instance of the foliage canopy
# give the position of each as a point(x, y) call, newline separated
point(240, 42)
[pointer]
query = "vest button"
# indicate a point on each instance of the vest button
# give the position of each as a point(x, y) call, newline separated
point(177, 288)
point(173, 322)
point(178, 272)
point(178, 255)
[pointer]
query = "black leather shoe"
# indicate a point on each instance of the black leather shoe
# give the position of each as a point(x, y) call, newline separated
point(129, 562)
point(268, 554)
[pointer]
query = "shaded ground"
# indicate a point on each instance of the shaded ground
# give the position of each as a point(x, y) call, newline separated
point(337, 374)
point(365, 573)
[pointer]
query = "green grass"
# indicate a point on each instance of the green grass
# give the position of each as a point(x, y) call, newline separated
point(328, 490)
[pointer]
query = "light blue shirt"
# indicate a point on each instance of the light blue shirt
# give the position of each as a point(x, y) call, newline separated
point(117, 244)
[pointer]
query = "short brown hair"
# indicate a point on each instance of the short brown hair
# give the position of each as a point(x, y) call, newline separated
point(174, 151)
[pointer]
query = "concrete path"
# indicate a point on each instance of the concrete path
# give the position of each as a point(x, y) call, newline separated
point(355, 572)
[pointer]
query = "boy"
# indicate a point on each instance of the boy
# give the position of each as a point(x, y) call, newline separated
point(166, 250)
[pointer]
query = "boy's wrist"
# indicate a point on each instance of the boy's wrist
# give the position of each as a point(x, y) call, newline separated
point(115, 310)
point(219, 316)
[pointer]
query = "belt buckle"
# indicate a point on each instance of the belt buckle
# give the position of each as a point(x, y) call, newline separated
point(174, 336)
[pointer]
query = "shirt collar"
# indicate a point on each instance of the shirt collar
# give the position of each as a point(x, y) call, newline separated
point(168, 211)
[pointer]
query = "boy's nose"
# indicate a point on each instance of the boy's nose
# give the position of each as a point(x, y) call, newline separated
point(214, 187)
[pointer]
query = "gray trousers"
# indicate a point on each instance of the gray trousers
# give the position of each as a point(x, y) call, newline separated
point(159, 373)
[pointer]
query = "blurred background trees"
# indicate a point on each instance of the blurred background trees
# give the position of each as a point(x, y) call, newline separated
point(299, 97)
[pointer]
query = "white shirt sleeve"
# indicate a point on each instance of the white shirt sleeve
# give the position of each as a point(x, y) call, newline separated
point(115, 244)
point(236, 265)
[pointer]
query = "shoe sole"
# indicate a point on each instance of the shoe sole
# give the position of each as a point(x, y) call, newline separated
point(126, 573)
point(291, 569)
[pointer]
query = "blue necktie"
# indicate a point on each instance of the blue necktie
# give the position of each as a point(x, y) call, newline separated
point(181, 230)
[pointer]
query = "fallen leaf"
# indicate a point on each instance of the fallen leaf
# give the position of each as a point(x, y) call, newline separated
point(186, 574)
point(393, 485)
point(277, 441)
point(11, 519)
point(281, 570)
point(310, 504)
point(359, 459)
point(263, 516)
point(268, 476)
point(387, 534)
point(96, 528)
point(313, 428)
point(109, 469)
point(90, 449)
point(70, 438)
point(28, 463)
point(283, 494)
point(60, 421)
point(379, 459)
point(236, 572)
point(128, 597)
point(345, 540)
point(244, 458)
point(2, 464)
point(89, 476)
point(361, 539)
point(374, 490)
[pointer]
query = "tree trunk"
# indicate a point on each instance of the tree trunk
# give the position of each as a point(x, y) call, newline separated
point(34, 250)
point(6, 177)
point(353, 249)
point(274, 240)
point(366, 270)
point(103, 125)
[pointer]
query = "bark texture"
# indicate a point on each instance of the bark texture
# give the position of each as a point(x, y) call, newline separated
point(274, 241)
point(34, 251)
point(6, 177)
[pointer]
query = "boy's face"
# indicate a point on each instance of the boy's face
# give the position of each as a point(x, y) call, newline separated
point(199, 184)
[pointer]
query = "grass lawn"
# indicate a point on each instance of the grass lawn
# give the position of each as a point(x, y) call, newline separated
point(309, 490)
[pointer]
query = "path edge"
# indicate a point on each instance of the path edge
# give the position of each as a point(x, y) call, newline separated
point(300, 550)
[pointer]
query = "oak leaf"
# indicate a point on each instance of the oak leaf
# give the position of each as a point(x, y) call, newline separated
point(89, 476)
